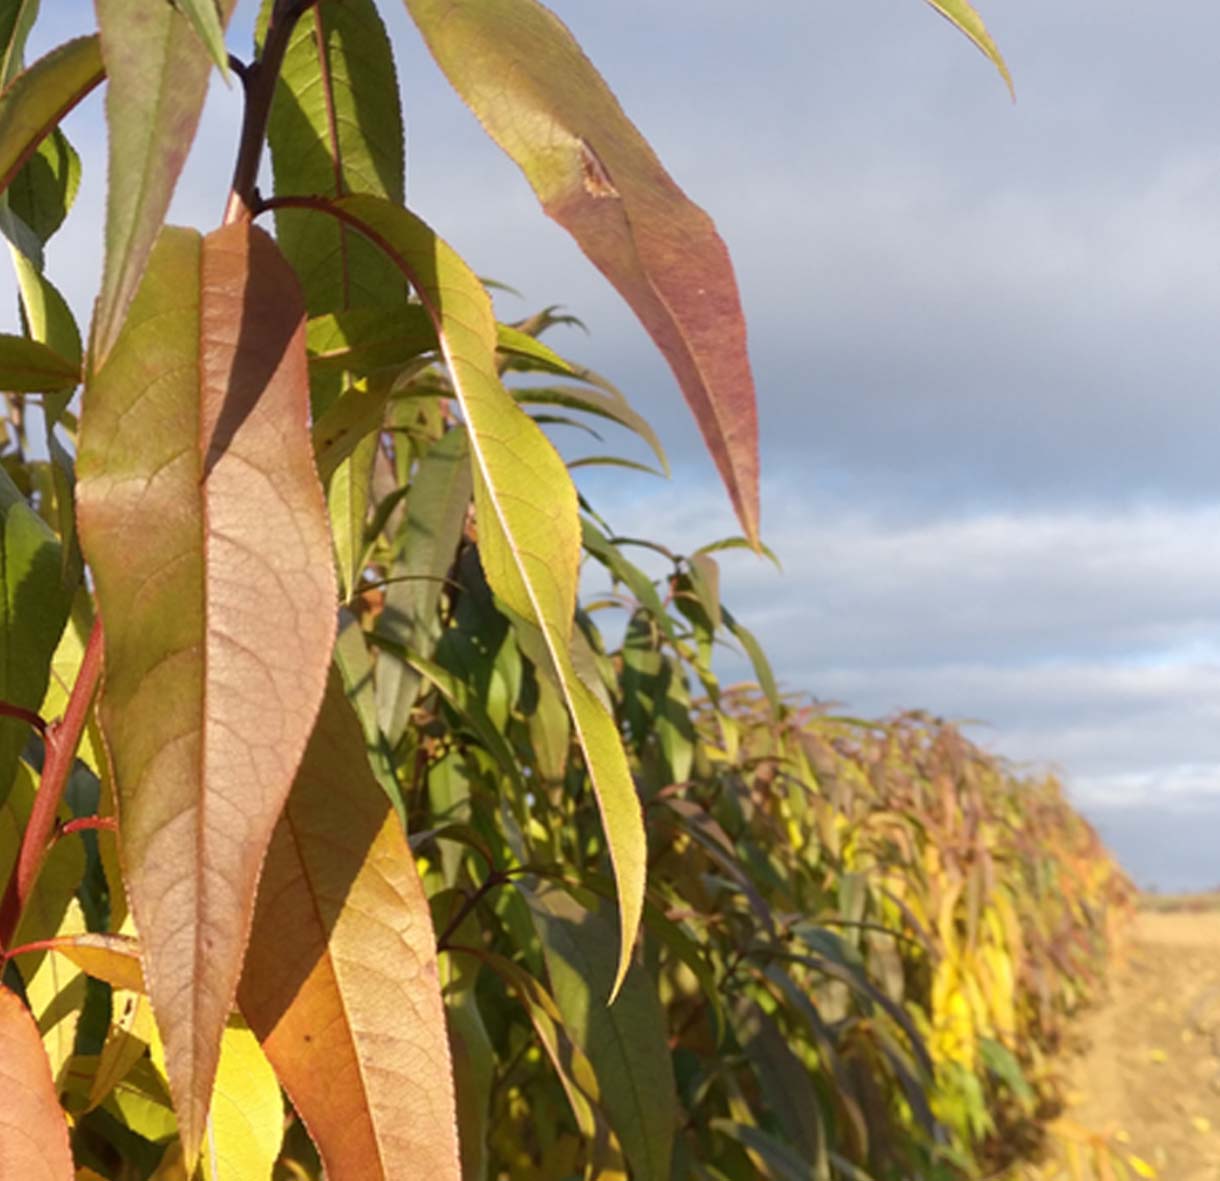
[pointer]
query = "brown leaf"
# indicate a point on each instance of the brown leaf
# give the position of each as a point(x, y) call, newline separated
point(203, 521)
point(521, 71)
point(340, 982)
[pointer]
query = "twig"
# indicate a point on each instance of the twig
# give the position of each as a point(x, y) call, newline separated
point(36, 720)
point(259, 79)
point(61, 740)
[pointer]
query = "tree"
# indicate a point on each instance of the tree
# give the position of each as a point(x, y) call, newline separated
point(323, 565)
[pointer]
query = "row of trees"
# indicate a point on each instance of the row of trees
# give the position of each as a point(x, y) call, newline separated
point(375, 851)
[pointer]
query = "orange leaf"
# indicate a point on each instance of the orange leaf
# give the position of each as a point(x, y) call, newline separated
point(33, 1132)
point(204, 524)
point(340, 983)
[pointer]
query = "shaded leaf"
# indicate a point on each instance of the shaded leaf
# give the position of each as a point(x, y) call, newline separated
point(33, 104)
point(529, 529)
point(33, 611)
point(758, 658)
point(626, 1041)
point(203, 521)
point(778, 1160)
point(43, 191)
point(16, 19)
point(336, 128)
point(28, 366)
point(340, 982)
point(436, 514)
point(158, 78)
point(131, 1030)
point(552, 112)
point(960, 14)
point(33, 1133)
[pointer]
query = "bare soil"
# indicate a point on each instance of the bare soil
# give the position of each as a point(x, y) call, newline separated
point(1148, 1082)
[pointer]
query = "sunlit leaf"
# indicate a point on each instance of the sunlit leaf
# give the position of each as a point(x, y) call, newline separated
point(340, 982)
point(552, 112)
point(55, 991)
point(203, 521)
point(131, 1030)
point(625, 1041)
point(33, 104)
point(529, 529)
point(247, 1115)
point(33, 1133)
point(205, 16)
point(157, 71)
point(614, 408)
point(960, 14)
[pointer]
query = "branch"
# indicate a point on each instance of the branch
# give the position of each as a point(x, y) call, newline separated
point(61, 740)
point(24, 715)
point(259, 79)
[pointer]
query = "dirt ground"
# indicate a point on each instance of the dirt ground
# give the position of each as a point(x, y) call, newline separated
point(1148, 1083)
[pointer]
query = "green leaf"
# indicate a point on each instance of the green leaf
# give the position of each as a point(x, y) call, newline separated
point(158, 78)
point(205, 17)
point(363, 340)
point(28, 366)
point(43, 191)
point(436, 516)
point(786, 1081)
point(613, 407)
point(552, 112)
point(33, 104)
point(347, 498)
point(778, 1160)
point(16, 19)
point(758, 658)
point(960, 14)
point(525, 504)
point(203, 521)
point(626, 1042)
point(340, 981)
point(336, 128)
point(33, 610)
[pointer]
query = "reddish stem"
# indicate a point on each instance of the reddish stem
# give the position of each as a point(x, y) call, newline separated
point(24, 715)
point(90, 823)
point(60, 742)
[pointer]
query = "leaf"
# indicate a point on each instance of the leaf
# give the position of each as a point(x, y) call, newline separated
point(626, 1042)
point(16, 20)
point(779, 1161)
point(30, 367)
point(347, 499)
point(247, 1117)
point(363, 340)
point(158, 78)
point(612, 407)
point(340, 982)
point(43, 191)
point(33, 610)
point(112, 958)
point(436, 515)
point(336, 128)
point(33, 104)
point(552, 112)
point(203, 521)
point(525, 505)
point(205, 17)
point(758, 658)
point(131, 1030)
point(961, 15)
point(33, 1133)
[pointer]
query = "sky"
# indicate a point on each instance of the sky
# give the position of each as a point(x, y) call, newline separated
point(984, 341)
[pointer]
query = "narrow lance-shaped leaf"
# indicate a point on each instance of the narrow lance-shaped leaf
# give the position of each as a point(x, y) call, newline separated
point(33, 104)
point(203, 521)
point(529, 527)
point(33, 1133)
point(340, 982)
point(625, 1042)
point(158, 78)
point(537, 95)
point(336, 128)
point(962, 15)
